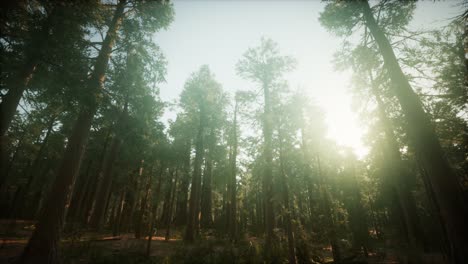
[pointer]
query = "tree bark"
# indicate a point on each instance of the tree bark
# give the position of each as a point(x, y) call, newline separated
point(328, 212)
point(97, 214)
point(154, 210)
point(182, 199)
point(288, 222)
point(443, 180)
point(206, 216)
point(171, 206)
point(268, 172)
point(232, 192)
point(400, 189)
point(143, 206)
point(42, 246)
point(32, 170)
point(194, 203)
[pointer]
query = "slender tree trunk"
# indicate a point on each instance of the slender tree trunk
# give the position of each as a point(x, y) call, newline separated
point(167, 197)
point(97, 214)
point(288, 223)
point(206, 216)
point(143, 206)
point(443, 180)
point(356, 213)
point(268, 172)
point(232, 192)
point(194, 203)
point(181, 210)
point(133, 212)
point(328, 212)
point(171, 206)
point(108, 202)
point(80, 196)
point(6, 163)
point(42, 247)
point(154, 210)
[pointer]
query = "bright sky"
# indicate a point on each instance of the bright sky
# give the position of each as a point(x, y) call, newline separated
point(217, 33)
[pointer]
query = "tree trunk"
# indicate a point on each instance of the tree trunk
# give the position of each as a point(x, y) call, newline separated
point(171, 206)
point(144, 205)
point(442, 178)
point(35, 165)
point(194, 203)
point(206, 217)
point(288, 223)
point(42, 247)
point(181, 210)
point(154, 210)
point(268, 172)
point(118, 213)
point(19, 206)
point(79, 197)
point(232, 193)
point(328, 212)
point(97, 214)
point(404, 198)
point(167, 197)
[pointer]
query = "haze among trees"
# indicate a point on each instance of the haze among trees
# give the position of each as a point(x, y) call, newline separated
point(93, 170)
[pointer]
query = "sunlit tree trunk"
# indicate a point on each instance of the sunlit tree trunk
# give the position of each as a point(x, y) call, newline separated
point(287, 208)
point(328, 212)
point(442, 179)
point(402, 192)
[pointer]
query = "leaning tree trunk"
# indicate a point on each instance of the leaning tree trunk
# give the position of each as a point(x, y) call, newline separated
point(42, 247)
point(194, 203)
point(13, 96)
point(402, 192)
point(442, 178)
point(32, 171)
point(16, 87)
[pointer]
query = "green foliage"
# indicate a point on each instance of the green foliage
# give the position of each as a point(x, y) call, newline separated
point(264, 64)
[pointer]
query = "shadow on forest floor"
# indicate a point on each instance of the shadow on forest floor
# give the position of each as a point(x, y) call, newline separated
point(89, 247)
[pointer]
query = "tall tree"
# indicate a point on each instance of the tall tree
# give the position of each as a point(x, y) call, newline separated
point(444, 183)
point(201, 96)
point(42, 246)
point(265, 66)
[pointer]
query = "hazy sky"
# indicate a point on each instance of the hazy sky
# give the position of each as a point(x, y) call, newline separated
point(217, 33)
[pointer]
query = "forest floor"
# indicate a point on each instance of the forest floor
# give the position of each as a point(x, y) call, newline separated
point(88, 247)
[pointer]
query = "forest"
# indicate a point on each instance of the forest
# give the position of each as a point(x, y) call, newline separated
point(105, 158)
